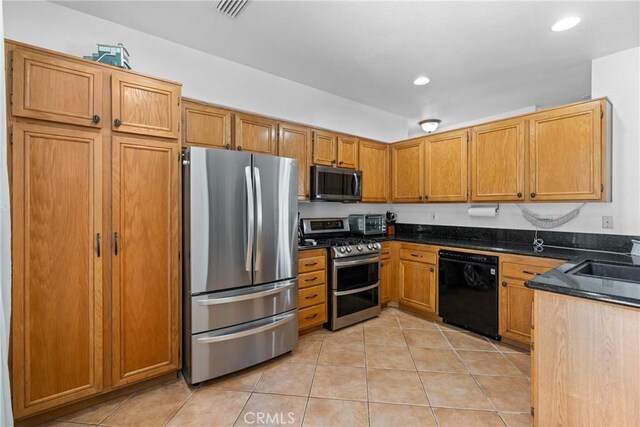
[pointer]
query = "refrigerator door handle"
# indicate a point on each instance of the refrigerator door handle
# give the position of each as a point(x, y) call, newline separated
point(256, 173)
point(279, 288)
point(250, 218)
point(285, 319)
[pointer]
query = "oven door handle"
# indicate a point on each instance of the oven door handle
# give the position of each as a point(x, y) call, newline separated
point(355, 291)
point(341, 263)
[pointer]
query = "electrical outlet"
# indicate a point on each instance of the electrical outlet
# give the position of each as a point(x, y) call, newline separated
point(607, 222)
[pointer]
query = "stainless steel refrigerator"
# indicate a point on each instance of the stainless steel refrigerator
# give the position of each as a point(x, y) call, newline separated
point(240, 260)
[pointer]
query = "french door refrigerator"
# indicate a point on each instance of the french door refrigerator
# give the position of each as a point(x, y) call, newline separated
point(240, 260)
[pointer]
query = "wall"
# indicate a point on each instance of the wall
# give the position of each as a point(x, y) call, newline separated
point(204, 76)
point(616, 76)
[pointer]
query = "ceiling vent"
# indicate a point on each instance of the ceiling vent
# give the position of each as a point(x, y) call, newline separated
point(231, 7)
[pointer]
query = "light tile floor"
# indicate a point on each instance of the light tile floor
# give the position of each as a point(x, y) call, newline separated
point(394, 370)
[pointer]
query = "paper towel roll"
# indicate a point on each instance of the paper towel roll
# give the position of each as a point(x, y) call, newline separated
point(483, 211)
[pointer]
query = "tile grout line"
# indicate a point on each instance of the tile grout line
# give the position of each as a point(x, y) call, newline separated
point(470, 374)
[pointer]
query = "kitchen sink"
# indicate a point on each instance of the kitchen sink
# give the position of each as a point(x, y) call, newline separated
point(606, 270)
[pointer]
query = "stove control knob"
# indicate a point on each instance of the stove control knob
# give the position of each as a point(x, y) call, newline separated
point(376, 246)
point(349, 249)
point(359, 247)
point(369, 246)
point(342, 250)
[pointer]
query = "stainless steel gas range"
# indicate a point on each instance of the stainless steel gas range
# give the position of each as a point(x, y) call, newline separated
point(354, 271)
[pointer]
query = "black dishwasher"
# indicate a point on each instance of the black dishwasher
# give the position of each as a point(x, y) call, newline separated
point(468, 291)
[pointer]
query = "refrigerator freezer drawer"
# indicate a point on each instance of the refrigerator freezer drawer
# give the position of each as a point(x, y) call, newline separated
point(220, 352)
point(222, 309)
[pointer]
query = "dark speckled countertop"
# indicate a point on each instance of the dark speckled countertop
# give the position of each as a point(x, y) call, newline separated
point(561, 281)
point(557, 280)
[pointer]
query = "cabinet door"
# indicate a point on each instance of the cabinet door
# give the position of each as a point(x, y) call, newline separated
point(145, 106)
point(418, 285)
point(497, 161)
point(56, 89)
point(295, 142)
point(57, 266)
point(446, 167)
point(347, 152)
point(565, 153)
point(255, 134)
point(407, 172)
point(385, 281)
point(374, 164)
point(515, 310)
point(324, 148)
point(146, 283)
point(206, 126)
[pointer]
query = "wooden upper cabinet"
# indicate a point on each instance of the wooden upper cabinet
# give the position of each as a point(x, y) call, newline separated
point(347, 152)
point(54, 88)
point(445, 157)
point(407, 171)
point(255, 134)
point(206, 126)
point(146, 243)
point(374, 164)
point(325, 147)
point(57, 241)
point(566, 153)
point(145, 106)
point(497, 161)
point(295, 142)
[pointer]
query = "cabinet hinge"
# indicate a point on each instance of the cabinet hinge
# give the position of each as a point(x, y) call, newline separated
point(11, 99)
point(178, 101)
point(532, 411)
point(601, 113)
point(178, 126)
point(11, 138)
point(467, 136)
point(11, 64)
point(602, 188)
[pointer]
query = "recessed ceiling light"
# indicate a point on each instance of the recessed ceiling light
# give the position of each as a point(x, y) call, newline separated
point(566, 23)
point(421, 81)
point(429, 125)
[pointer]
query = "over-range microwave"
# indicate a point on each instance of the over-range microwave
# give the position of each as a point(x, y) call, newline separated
point(335, 184)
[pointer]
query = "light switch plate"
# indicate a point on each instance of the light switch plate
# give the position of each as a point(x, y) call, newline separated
point(607, 222)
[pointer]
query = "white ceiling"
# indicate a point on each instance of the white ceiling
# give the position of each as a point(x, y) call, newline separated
point(483, 58)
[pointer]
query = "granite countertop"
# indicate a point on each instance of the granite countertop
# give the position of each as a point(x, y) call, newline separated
point(556, 280)
point(510, 248)
point(560, 281)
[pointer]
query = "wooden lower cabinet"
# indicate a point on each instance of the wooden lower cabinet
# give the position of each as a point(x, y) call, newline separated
point(585, 367)
point(515, 299)
point(385, 280)
point(57, 341)
point(146, 242)
point(312, 288)
point(417, 278)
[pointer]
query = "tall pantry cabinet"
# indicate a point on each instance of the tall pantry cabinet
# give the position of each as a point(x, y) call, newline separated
point(95, 227)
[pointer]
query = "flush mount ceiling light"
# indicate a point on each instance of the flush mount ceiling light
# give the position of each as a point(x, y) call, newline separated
point(429, 125)
point(421, 81)
point(566, 23)
point(231, 7)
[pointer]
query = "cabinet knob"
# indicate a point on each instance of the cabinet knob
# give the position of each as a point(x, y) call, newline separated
point(96, 119)
point(340, 162)
point(117, 123)
point(228, 146)
point(306, 195)
point(519, 195)
point(426, 197)
point(504, 284)
point(533, 195)
point(333, 162)
point(432, 269)
point(239, 148)
point(419, 197)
